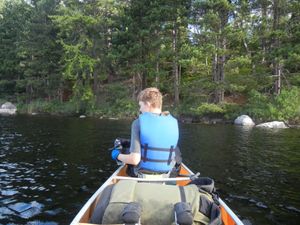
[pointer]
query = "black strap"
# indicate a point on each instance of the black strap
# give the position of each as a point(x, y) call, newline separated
point(144, 158)
point(158, 149)
point(182, 194)
point(154, 160)
point(152, 172)
point(170, 154)
point(146, 148)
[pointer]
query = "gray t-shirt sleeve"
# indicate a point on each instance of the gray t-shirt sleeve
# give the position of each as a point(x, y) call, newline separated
point(135, 144)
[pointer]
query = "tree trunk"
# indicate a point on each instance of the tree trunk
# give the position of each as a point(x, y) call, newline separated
point(214, 66)
point(143, 73)
point(157, 61)
point(137, 85)
point(133, 87)
point(218, 72)
point(263, 39)
point(144, 80)
point(157, 74)
point(278, 81)
point(96, 70)
point(219, 60)
point(108, 43)
point(175, 66)
point(276, 44)
point(95, 85)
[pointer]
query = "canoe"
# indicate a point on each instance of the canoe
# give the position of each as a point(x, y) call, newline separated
point(184, 177)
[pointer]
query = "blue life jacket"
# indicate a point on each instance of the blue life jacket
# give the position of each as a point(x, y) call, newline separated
point(159, 136)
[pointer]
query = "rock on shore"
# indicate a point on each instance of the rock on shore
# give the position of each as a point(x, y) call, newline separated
point(273, 125)
point(8, 109)
point(244, 120)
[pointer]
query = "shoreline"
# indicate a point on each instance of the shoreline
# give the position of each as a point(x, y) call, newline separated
point(186, 119)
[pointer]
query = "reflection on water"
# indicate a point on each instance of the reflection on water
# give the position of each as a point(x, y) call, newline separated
point(49, 166)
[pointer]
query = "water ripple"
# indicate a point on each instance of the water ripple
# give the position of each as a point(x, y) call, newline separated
point(49, 160)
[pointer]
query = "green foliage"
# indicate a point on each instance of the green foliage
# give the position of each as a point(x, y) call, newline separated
point(256, 106)
point(285, 106)
point(49, 107)
point(231, 110)
point(124, 107)
point(208, 108)
point(223, 110)
point(14, 19)
point(96, 55)
point(240, 65)
point(116, 103)
point(83, 97)
point(294, 79)
point(30, 55)
point(75, 36)
point(7, 87)
point(37, 106)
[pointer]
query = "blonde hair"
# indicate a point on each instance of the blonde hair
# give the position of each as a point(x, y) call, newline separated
point(151, 95)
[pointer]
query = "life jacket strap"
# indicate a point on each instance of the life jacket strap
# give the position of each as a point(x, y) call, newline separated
point(154, 160)
point(145, 147)
point(167, 159)
point(170, 154)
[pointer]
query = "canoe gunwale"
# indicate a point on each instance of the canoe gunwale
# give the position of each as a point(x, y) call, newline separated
point(231, 213)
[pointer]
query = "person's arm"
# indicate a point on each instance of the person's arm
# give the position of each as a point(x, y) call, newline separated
point(134, 157)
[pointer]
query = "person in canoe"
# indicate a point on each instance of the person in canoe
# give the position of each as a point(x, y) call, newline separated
point(154, 139)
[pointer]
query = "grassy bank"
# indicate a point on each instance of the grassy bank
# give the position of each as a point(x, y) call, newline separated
point(285, 107)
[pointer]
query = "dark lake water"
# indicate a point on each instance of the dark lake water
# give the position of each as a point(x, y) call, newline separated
point(50, 166)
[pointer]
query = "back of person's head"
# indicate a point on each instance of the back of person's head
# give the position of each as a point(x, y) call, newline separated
point(151, 95)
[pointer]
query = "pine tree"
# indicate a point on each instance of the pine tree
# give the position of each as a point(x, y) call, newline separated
point(14, 20)
point(212, 17)
point(41, 53)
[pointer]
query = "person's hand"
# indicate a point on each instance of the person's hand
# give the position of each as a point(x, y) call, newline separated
point(115, 153)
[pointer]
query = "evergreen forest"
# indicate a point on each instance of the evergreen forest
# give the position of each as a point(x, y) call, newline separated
point(210, 58)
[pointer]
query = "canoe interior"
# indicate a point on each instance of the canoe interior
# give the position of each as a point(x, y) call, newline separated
point(84, 220)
